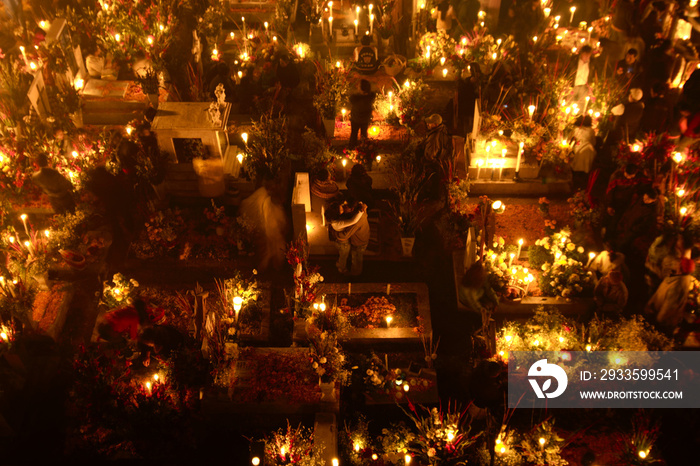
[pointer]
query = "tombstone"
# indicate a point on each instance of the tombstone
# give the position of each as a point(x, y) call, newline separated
point(185, 132)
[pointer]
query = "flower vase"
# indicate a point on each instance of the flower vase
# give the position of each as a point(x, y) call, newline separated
point(77, 118)
point(327, 392)
point(407, 246)
point(329, 125)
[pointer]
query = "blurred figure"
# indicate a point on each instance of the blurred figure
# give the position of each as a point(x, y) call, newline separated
point(627, 69)
point(223, 76)
point(606, 261)
point(611, 293)
point(583, 73)
point(359, 185)
point(658, 113)
point(100, 64)
point(270, 223)
point(637, 226)
point(343, 219)
point(159, 341)
point(444, 14)
point(54, 185)
point(474, 291)
point(118, 325)
point(669, 301)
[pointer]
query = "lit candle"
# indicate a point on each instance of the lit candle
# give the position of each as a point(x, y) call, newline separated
point(24, 55)
point(501, 164)
point(388, 321)
point(371, 23)
point(547, 11)
point(531, 110)
point(356, 25)
point(479, 163)
point(520, 246)
point(330, 26)
point(520, 153)
point(585, 105)
point(344, 162)
point(572, 10)
point(24, 221)
point(244, 136)
point(590, 30)
point(370, 6)
point(591, 256)
point(444, 72)
point(388, 288)
point(243, 20)
point(349, 288)
point(488, 149)
point(510, 260)
point(266, 24)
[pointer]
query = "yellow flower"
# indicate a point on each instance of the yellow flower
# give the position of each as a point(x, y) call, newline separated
point(571, 246)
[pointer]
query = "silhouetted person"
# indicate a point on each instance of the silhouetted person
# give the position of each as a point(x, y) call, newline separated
point(159, 341)
point(361, 106)
point(56, 186)
point(658, 113)
point(366, 57)
point(359, 185)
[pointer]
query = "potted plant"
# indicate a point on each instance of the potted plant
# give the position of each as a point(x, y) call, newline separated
point(407, 179)
point(332, 93)
point(148, 80)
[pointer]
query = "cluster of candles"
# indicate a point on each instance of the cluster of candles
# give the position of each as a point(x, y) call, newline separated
point(356, 21)
point(497, 162)
point(148, 385)
point(358, 446)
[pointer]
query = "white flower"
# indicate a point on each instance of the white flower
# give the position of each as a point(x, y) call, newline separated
point(580, 249)
point(323, 360)
point(255, 271)
point(315, 365)
point(431, 452)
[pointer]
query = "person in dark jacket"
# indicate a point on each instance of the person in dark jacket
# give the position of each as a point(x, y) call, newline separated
point(361, 106)
point(658, 113)
point(366, 57)
point(622, 187)
point(627, 70)
point(639, 222)
point(629, 116)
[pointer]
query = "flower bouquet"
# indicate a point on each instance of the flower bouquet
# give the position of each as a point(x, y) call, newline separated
point(293, 447)
point(119, 291)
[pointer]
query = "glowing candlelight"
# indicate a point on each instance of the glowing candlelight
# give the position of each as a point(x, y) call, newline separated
point(590, 30)
point(677, 157)
point(255, 461)
point(244, 136)
point(511, 256)
point(266, 24)
point(520, 153)
point(24, 221)
point(591, 256)
point(407, 459)
point(520, 246)
point(330, 26)
point(370, 6)
point(371, 23)
point(24, 55)
point(427, 52)
point(243, 20)
point(547, 12)
point(239, 157)
point(356, 24)
point(585, 105)
point(444, 72)
point(117, 37)
point(391, 98)
point(388, 320)
point(479, 163)
point(531, 110)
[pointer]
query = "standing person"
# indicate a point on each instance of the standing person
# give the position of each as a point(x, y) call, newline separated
point(342, 217)
point(361, 106)
point(623, 21)
point(584, 151)
point(669, 301)
point(54, 185)
point(444, 14)
point(622, 187)
point(288, 78)
point(270, 222)
point(629, 116)
point(658, 113)
point(583, 72)
point(366, 57)
point(437, 155)
point(627, 70)
point(637, 226)
point(359, 235)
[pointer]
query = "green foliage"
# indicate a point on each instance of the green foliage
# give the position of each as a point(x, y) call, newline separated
point(267, 148)
point(412, 101)
point(210, 23)
point(408, 177)
point(316, 153)
point(548, 453)
point(332, 92)
point(119, 291)
point(67, 230)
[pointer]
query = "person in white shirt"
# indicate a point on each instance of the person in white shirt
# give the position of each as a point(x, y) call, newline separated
point(584, 151)
point(100, 65)
point(583, 72)
point(444, 13)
